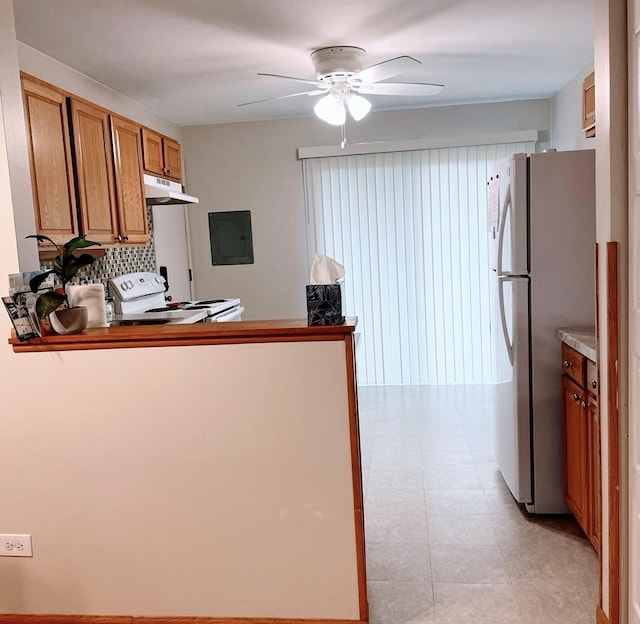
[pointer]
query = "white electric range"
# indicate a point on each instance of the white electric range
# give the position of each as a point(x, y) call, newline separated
point(139, 297)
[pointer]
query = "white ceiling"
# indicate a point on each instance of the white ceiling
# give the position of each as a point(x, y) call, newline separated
point(194, 61)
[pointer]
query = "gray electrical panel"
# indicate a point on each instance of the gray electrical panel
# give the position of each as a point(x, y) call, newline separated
point(231, 238)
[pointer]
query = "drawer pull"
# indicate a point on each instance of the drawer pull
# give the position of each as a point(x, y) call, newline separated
point(584, 405)
point(567, 364)
point(594, 384)
point(576, 397)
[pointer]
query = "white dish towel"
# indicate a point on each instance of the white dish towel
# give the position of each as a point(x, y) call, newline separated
point(91, 296)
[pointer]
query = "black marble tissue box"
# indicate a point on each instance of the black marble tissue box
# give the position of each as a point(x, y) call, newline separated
point(324, 304)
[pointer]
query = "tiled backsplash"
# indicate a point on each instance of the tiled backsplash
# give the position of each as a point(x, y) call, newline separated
point(119, 260)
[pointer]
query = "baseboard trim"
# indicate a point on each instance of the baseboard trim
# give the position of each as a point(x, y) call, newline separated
point(601, 617)
point(17, 618)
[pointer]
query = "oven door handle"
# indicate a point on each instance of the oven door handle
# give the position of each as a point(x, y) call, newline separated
point(234, 314)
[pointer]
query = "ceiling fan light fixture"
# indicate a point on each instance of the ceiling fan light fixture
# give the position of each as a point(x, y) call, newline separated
point(358, 106)
point(330, 109)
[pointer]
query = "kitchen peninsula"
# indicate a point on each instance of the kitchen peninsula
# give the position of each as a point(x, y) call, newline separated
point(228, 488)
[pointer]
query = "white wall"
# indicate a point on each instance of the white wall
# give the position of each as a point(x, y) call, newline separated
point(253, 166)
point(566, 114)
point(16, 145)
point(203, 491)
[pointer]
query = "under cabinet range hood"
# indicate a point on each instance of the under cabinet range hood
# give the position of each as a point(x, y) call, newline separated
point(159, 192)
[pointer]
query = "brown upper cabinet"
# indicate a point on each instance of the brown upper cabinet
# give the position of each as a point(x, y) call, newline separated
point(161, 155)
point(129, 182)
point(101, 194)
point(94, 172)
point(589, 105)
point(51, 161)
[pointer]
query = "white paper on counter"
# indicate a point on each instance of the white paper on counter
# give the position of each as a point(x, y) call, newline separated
point(91, 296)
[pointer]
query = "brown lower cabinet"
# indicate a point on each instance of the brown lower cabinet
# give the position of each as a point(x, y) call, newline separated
point(581, 426)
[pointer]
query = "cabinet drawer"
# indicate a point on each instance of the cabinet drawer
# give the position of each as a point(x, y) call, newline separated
point(573, 364)
point(592, 378)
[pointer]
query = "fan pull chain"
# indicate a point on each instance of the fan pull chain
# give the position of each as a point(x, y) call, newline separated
point(343, 132)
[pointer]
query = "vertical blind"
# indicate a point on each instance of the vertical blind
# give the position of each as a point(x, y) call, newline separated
point(411, 230)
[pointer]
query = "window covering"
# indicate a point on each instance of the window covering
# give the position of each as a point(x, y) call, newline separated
point(410, 228)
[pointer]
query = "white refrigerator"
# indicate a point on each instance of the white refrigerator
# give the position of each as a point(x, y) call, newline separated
point(541, 218)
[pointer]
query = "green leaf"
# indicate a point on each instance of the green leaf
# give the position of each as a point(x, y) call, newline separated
point(41, 237)
point(47, 302)
point(35, 282)
point(74, 264)
point(79, 242)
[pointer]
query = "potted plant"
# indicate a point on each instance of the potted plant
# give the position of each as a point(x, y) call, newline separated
point(65, 266)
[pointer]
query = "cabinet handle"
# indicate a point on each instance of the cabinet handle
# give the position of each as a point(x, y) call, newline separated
point(576, 397)
point(567, 364)
point(594, 384)
point(584, 405)
point(126, 237)
point(118, 239)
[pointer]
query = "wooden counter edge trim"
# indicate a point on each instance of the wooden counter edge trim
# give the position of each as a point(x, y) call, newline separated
point(601, 618)
point(18, 618)
point(187, 335)
point(356, 475)
point(596, 269)
point(611, 269)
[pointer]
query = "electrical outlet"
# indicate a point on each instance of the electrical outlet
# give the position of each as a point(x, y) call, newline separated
point(15, 545)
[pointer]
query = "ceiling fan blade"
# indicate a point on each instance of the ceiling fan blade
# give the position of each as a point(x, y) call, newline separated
point(284, 97)
point(385, 69)
point(305, 80)
point(401, 88)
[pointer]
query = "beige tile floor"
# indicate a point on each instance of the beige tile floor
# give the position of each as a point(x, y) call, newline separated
point(446, 542)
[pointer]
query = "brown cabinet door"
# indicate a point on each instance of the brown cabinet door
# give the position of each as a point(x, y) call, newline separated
point(50, 160)
point(576, 480)
point(573, 364)
point(152, 156)
point(589, 105)
point(132, 209)
point(172, 159)
point(94, 172)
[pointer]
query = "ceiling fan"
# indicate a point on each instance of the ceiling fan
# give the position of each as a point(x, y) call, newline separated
point(341, 79)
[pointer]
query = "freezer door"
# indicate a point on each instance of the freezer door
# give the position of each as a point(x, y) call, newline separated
point(510, 340)
point(508, 217)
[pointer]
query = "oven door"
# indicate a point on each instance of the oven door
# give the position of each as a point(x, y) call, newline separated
point(233, 314)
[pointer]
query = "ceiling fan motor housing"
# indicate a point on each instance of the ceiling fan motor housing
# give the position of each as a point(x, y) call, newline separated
point(337, 62)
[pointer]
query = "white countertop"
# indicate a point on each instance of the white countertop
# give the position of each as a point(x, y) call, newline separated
point(582, 339)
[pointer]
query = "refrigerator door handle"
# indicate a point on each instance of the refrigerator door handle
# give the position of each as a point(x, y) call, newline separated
point(506, 207)
point(503, 319)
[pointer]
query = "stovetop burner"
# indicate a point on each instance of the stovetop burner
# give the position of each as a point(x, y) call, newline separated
point(203, 304)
